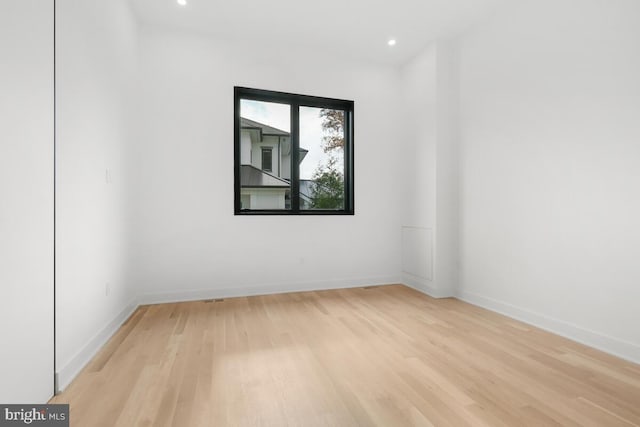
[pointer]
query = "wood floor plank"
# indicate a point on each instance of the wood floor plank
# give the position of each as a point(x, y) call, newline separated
point(375, 356)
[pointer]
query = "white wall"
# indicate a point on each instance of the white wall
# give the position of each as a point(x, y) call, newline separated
point(550, 160)
point(430, 222)
point(26, 201)
point(188, 242)
point(96, 63)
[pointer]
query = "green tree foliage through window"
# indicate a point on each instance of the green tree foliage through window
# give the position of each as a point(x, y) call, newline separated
point(328, 189)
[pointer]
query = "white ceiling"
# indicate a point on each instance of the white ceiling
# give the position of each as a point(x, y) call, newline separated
point(358, 28)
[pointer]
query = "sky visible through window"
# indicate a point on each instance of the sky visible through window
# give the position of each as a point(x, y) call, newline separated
point(278, 116)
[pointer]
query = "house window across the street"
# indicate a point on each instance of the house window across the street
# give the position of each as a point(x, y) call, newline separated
point(267, 164)
point(305, 148)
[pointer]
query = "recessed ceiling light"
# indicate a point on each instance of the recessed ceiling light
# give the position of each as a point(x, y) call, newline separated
point(182, 2)
point(391, 42)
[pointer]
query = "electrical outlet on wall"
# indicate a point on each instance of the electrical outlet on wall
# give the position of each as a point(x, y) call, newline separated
point(107, 176)
point(107, 289)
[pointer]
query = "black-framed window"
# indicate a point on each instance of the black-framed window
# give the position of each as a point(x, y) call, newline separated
point(305, 148)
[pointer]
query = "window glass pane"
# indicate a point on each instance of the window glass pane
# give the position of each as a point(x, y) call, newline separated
point(265, 155)
point(322, 142)
point(267, 159)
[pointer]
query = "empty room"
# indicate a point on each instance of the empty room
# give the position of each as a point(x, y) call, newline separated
point(320, 213)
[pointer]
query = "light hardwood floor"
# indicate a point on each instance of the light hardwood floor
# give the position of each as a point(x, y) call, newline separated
point(380, 356)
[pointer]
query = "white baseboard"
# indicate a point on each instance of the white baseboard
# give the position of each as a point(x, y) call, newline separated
point(623, 349)
point(265, 289)
point(67, 373)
